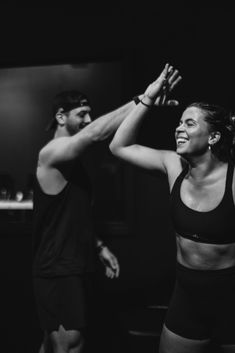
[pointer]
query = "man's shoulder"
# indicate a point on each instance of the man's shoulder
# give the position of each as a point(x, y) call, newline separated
point(46, 152)
point(61, 150)
point(49, 148)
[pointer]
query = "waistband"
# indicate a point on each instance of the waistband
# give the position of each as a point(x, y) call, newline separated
point(227, 270)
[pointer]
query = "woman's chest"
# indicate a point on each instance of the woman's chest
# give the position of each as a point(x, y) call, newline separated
point(202, 196)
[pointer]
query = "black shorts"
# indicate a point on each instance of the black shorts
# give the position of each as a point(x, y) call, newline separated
point(61, 301)
point(203, 305)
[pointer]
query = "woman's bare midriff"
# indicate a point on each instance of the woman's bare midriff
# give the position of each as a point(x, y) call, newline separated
point(204, 256)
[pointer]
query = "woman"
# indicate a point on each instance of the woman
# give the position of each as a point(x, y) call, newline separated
point(202, 193)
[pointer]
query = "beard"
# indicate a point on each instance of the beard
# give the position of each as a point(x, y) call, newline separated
point(82, 125)
point(74, 129)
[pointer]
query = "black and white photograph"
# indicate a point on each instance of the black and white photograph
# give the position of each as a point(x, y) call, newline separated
point(117, 182)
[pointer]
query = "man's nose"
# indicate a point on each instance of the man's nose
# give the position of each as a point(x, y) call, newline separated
point(87, 119)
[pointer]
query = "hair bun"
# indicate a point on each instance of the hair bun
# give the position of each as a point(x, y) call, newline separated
point(230, 126)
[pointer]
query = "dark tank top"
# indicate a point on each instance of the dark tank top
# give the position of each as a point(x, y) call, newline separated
point(214, 227)
point(63, 237)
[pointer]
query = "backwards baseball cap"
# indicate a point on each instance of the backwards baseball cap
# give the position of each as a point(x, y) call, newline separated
point(66, 100)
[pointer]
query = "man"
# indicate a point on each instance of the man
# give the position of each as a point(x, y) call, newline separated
point(63, 236)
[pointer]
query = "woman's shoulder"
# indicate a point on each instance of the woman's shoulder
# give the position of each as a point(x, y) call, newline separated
point(174, 162)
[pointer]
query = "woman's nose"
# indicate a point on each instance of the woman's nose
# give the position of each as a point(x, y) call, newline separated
point(180, 127)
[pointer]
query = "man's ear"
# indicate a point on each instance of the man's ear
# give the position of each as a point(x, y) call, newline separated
point(214, 137)
point(60, 117)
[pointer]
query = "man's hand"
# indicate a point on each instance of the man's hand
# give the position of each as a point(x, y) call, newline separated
point(110, 262)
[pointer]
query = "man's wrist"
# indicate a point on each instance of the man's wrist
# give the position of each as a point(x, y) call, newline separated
point(144, 99)
point(136, 99)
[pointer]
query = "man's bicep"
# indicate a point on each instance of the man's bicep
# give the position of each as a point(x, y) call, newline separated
point(66, 149)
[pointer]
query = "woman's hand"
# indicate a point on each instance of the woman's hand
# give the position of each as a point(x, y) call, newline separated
point(158, 91)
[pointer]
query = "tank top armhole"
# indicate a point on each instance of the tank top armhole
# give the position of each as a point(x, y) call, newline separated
point(178, 180)
point(51, 195)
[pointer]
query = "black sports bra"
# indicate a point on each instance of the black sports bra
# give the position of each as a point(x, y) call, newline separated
point(214, 227)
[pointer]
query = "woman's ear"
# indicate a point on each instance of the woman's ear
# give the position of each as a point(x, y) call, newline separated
point(214, 137)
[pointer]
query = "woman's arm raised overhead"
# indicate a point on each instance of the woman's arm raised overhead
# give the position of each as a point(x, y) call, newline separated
point(124, 144)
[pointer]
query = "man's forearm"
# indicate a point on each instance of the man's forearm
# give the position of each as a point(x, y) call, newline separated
point(107, 124)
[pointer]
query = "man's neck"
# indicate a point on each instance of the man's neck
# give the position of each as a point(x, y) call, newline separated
point(61, 132)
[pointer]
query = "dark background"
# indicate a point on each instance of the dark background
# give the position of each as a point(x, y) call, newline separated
point(199, 40)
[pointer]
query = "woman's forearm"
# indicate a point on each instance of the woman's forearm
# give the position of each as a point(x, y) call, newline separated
point(128, 131)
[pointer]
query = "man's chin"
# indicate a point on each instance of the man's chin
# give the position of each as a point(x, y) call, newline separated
point(74, 131)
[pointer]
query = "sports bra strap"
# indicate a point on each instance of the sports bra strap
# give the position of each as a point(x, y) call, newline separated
point(179, 179)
